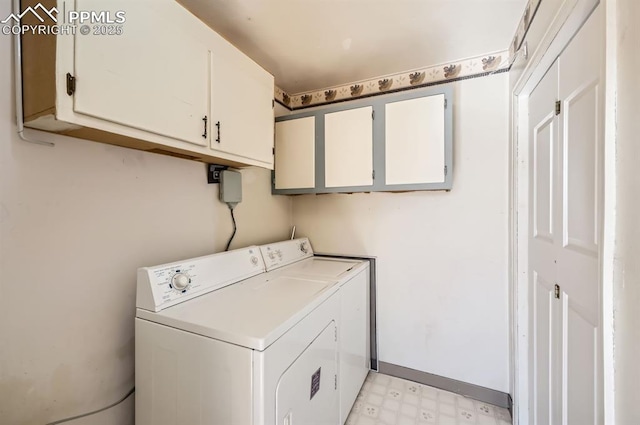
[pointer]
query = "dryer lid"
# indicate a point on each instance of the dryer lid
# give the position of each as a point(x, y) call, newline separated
point(323, 267)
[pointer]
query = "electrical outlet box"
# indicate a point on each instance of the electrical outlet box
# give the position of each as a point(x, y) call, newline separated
point(231, 187)
point(213, 173)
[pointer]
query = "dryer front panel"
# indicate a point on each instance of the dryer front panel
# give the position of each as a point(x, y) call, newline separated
point(307, 392)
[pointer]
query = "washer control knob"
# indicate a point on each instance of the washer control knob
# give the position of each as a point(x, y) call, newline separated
point(254, 260)
point(272, 255)
point(303, 247)
point(180, 281)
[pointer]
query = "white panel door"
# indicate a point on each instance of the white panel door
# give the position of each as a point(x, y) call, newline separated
point(544, 309)
point(348, 140)
point(581, 89)
point(296, 153)
point(241, 105)
point(151, 77)
point(414, 141)
point(566, 198)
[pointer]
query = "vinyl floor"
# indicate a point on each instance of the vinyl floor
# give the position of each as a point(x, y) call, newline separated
point(386, 400)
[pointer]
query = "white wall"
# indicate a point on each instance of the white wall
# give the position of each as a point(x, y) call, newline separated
point(443, 260)
point(76, 222)
point(627, 272)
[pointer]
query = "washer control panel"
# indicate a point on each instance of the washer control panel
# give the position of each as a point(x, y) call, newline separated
point(162, 286)
point(178, 279)
point(280, 254)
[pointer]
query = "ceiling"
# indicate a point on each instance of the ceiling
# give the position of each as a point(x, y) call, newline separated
point(313, 44)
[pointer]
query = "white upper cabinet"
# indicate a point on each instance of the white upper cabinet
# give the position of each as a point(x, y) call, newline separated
point(295, 154)
point(348, 143)
point(158, 80)
point(149, 78)
point(241, 105)
point(414, 141)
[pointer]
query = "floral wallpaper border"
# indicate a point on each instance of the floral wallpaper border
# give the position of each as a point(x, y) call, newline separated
point(439, 74)
point(525, 23)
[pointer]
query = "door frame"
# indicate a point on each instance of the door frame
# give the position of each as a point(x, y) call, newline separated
point(572, 14)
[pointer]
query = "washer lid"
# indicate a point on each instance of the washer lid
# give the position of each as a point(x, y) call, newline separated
point(253, 313)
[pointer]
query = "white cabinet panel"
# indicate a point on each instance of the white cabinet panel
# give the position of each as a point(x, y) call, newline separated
point(241, 105)
point(415, 141)
point(295, 153)
point(150, 77)
point(349, 148)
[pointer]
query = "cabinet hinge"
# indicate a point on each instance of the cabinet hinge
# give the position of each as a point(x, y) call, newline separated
point(71, 84)
point(373, 115)
point(446, 170)
point(273, 103)
point(273, 150)
point(557, 291)
point(446, 103)
point(558, 107)
point(335, 382)
point(373, 174)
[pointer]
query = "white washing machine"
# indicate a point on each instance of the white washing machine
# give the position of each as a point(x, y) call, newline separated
point(221, 340)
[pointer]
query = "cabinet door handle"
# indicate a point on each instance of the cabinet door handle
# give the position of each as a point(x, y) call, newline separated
point(218, 125)
point(206, 121)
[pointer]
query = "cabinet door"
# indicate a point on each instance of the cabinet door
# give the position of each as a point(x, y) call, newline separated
point(415, 141)
point(348, 143)
point(295, 154)
point(241, 105)
point(152, 77)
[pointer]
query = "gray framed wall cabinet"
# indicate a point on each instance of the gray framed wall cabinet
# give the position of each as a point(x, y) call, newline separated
point(389, 143)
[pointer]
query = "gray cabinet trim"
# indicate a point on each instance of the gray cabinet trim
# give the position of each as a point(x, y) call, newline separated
point(378, 103)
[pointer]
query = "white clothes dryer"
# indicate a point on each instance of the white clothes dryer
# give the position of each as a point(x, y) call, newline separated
point(352, 276)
